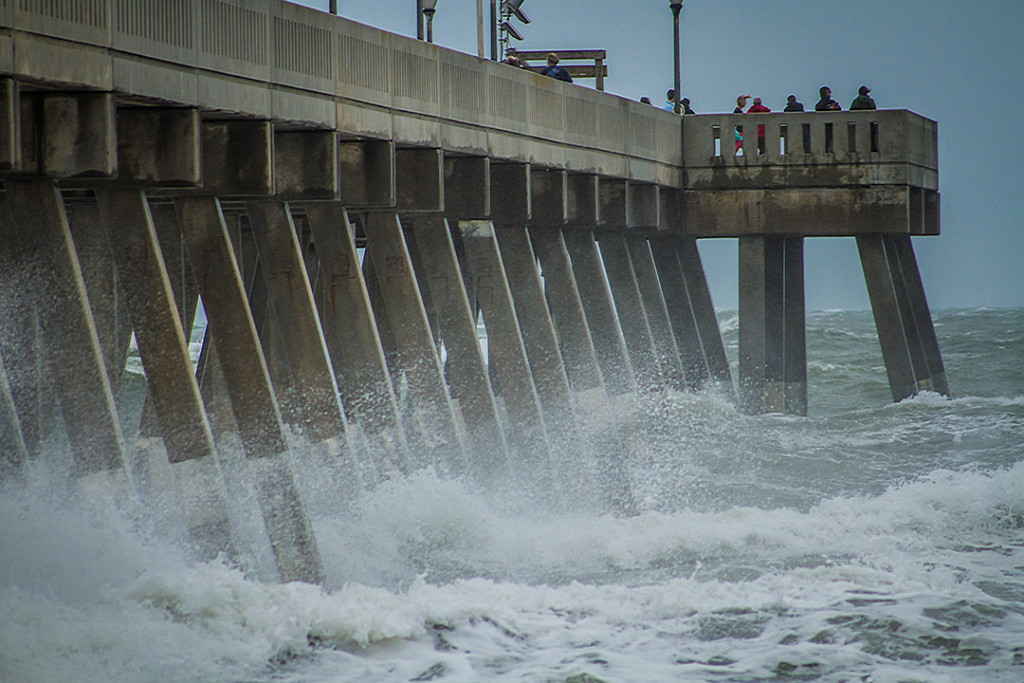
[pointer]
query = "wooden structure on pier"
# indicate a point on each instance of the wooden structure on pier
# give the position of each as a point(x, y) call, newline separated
point(244, 153)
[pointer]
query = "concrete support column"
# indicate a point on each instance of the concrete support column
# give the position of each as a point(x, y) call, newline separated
point(241, 360)
point(353, 343)
point(680, 312)
point(619, 377)
point(101, 283)
point(673, 375)
point(13, 451)
point(294, 313)
point(573, 333)
point(21, 346)
point(417, 355)
point(295, 323)
point(158, 332)
point(163, 349)
point(773, 367)
point(704, 310)
point(905, 331)
point(506, 352)
point(43, 245)
point(535, 322)
point(933, 377)
point(636, 330)
point(439, 274)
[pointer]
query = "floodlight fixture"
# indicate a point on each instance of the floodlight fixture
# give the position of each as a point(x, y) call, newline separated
point(513, 9)
point(511, 30)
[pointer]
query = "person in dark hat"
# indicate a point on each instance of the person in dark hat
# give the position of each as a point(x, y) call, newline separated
point(826, 103)
point(862, 101)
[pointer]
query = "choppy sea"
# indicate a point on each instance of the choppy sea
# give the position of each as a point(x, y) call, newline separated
point(868, 542)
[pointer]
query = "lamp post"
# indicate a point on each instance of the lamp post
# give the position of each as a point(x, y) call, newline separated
point(429, 7)
point(676, 5)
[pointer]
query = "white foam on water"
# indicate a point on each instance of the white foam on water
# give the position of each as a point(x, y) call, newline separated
point(85, 597)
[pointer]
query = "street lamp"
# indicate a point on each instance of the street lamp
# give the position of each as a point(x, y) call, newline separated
point(429, 7)
point(676, 5)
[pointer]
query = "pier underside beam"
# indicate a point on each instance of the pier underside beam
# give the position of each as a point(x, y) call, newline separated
point(773, 362)
point(905, 330)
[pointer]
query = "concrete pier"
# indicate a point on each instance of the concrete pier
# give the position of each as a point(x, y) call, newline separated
point(347, 225)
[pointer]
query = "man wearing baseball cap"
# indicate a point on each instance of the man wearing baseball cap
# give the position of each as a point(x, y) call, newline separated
point(862, 101)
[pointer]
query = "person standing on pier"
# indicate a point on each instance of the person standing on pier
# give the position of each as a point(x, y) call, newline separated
point(670, 100)
point(793, 105)
point(684, 104)
point(826, 103)
point(555, 71)
point(862, 101)
point(758, 108)
point(741, 102)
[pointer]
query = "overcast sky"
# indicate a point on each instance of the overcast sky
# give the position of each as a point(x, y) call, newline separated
point(958, 62)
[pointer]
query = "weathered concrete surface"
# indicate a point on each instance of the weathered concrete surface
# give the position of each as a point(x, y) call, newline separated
point(828, 212)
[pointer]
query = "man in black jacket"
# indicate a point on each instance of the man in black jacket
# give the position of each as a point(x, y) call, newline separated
point(826, 103)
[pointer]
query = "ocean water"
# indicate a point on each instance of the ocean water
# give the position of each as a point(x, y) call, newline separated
point(870, 542)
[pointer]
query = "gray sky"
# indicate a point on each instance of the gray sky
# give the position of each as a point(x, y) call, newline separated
point(957, 62)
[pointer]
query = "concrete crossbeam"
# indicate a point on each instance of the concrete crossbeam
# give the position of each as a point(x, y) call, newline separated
point(366, 173)
point(159, 147)
point(467, 187)
point(582, 199)
point(10, 125)
point(306, 165)
point(419, 180)
point(238, 158)
point(548, 192)
point(511, 197)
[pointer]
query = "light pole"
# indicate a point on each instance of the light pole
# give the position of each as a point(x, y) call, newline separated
point(429, 7)
point(676, 5)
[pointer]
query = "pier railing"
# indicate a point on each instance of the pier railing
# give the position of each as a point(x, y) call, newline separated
point(891, 147)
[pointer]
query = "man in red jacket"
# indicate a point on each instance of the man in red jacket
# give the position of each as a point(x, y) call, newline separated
point(758, 108)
